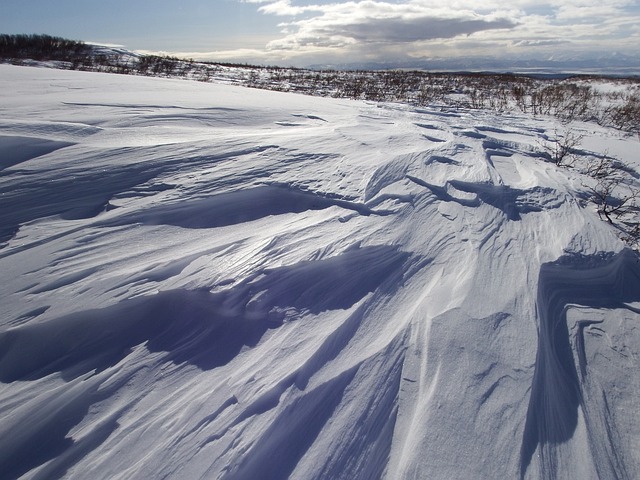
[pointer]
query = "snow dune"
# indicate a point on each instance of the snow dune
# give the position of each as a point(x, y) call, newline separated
point(206, 281)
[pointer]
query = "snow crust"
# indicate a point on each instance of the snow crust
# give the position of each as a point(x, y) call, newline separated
point(206, 281)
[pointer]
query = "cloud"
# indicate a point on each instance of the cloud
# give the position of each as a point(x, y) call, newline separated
point(353, 24)
point(540, 43)
point(391, 29)
point(283, 7)
point(418, 29)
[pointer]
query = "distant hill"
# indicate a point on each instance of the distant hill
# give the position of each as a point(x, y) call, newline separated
point(605, 63)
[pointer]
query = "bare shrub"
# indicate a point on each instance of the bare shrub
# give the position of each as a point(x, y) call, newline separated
point(616, 197)
point(613, 198)
point(561, 147)
point(627, 115)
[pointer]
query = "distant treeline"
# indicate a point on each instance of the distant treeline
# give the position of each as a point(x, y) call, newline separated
point(41, 47)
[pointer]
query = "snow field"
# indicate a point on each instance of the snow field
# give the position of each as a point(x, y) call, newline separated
point(206, 281)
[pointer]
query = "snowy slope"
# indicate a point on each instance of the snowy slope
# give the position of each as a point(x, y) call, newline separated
point(206, 281)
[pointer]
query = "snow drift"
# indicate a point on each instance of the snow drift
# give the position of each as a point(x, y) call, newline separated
point(205, 281)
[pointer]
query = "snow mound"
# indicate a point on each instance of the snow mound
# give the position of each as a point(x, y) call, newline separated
point(206, 281)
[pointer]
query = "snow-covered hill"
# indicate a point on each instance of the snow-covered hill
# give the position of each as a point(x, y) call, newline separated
point(206, 281)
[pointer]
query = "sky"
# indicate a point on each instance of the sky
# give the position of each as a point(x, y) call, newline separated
point(316, 32)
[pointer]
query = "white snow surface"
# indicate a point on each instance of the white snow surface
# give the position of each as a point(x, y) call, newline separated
point(208, 281)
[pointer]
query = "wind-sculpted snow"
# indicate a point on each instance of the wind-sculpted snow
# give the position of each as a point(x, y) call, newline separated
point(205, 281)
point(512, 202)
point(557, 402)
point(15, 150)
point(241, 206)
point(206, 329)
